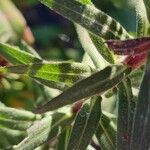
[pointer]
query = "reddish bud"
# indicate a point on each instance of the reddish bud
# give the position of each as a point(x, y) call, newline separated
point(3, 62)
point(77, 106)
point(135, 61)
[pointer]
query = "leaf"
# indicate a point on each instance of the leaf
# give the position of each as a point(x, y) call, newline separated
point(13, 125)
point(89, 17)
point(43, 130)
point(92, 122)
point(89, 47)
point(39, 90)
point(141, 18)
point(12, 136)
point(147, 6)
point(37, 134)
point(85, 125)
point(140, 138)
point(78, 127)
point(17, 56)
point(63, 138)
point(95, 84)
point(94, 45)
point(123, 117)
point(103, 49)
point(15, 114)
point(106, 133)
point(85, 1)
point(52, 73)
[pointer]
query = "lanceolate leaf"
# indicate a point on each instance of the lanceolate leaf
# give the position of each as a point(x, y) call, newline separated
point(140, 138)
point(63, 72)
point(141, 18)
point(88, 16)
point(43, 130)
point(123, 118)
point(147, 6)
point(103, 139)
point(15, 114)
point(95, 84)
point(17, 56)
point(13, 125)
point(11, 137)
point(91, 123)
point(78, 127)
point(109, 128)
point(106, 133)
point(63, 138)
point(85, 125)
point(94, 45)
point(37, 134)
point(89, 47)
point(102, 48)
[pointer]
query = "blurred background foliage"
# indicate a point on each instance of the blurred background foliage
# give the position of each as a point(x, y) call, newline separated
point(53, 37)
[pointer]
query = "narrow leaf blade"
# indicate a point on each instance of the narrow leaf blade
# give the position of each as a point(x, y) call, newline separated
point(95, 84)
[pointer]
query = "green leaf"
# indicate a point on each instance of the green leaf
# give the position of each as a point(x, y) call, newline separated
point(43, 130)
point(78, 127)
point(140, 138)
point(11, 136)
point(63, 138)
point(52, 73)
point(40, 90)
point(89, 17)
point(95, 84)
point(106, 133)
point(147, 6)
point(15, 114)
point(141, 18)
point(85, 1)
point(89, 47)
point(85, 125)
point(91, 123)
point(103, 49)
point(13, 125)
point(17, 56)
point(37, 134)
point(123, 117)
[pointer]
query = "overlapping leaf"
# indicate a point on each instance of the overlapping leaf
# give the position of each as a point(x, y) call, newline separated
point(124, 111)
point(17, 56)
point(140, 138)
point(95, 84)
point(106, 133)
point(51, 73)
point(85, 125)
point(94, 45)
point(43, 130)
point(89, 17)
point(13, 125)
